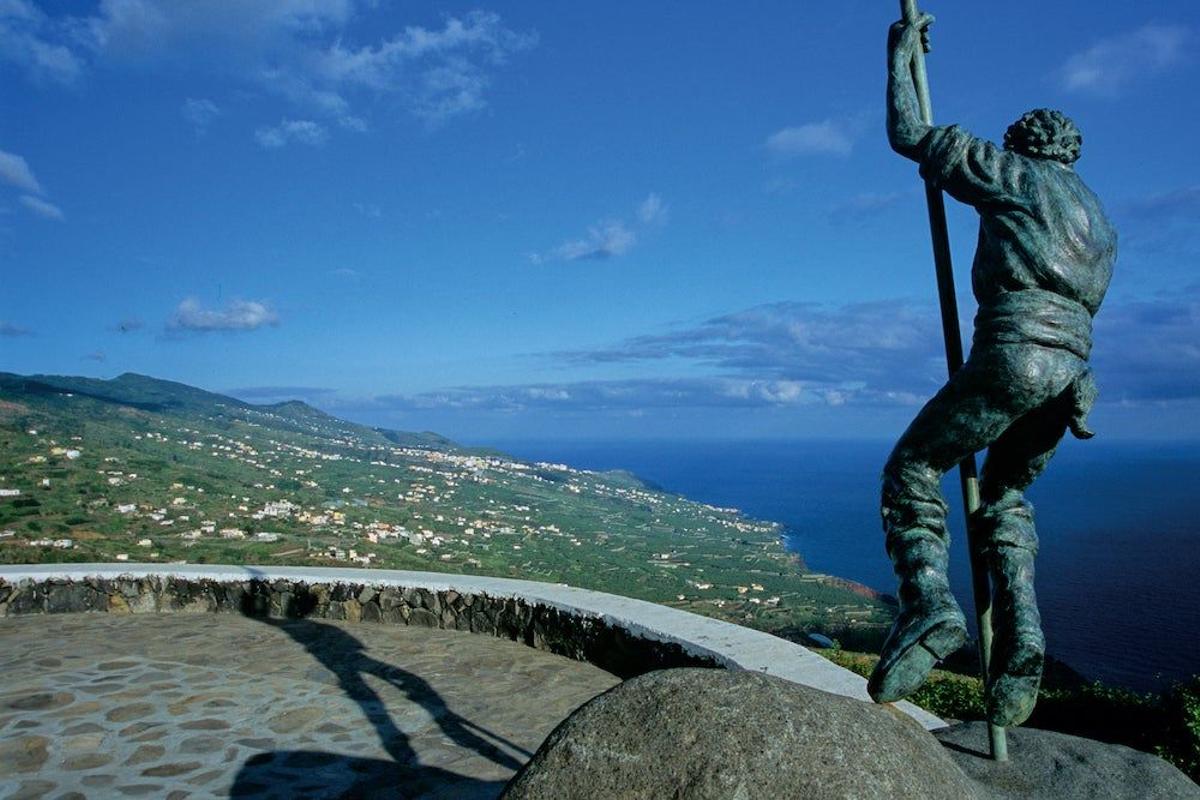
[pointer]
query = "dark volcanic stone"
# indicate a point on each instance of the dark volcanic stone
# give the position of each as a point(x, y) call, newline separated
point(1055, 766)
point(72, 597)
point(423, 619)
point(696, 734)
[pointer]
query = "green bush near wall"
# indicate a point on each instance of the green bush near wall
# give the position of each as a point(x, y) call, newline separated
point(1166, 724)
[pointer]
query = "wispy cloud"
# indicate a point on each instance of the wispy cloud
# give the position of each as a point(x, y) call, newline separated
point(263, 394)
point(888, 345)
point(864, 206)
point(324, 56)
point(346, 273)
point(239, 315)
point(42, 208)
point(826, 137)
point(15, 171)
point(603, 241)
point(609, 238)
point(1114, 63)
point(13, 330)
point(129, 325)
point(620, 395)
point(443, 73)
point(369, 210)
point(780, 186)
point(799, 355)
point(304, 131)
point(1162, 226)
point(652, 211)
point(782, 355)
point(1181, 203)
point(1149, 349)
point(200, 113)
point(44, 48)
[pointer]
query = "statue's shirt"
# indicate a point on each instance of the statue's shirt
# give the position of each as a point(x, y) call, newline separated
point(1046, 249)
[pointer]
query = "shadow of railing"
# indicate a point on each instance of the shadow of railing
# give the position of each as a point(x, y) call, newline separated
point(321, 774)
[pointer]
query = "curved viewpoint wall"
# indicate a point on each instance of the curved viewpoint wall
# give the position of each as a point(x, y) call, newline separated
point(624, 636)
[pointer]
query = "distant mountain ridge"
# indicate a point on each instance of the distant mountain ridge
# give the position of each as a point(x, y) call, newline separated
point(170, 397)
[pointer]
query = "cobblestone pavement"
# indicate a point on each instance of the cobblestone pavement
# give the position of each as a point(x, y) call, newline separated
point(206, 705)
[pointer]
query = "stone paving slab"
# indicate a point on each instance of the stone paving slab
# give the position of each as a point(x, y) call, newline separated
point(721, 643)
point(176, 706)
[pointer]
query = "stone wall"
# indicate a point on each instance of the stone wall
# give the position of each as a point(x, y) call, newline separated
point(580, 637)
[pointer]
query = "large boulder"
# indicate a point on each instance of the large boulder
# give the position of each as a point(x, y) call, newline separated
point(696, 734)
point(1044, 765)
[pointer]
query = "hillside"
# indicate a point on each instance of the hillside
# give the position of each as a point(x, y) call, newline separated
point(140, 469)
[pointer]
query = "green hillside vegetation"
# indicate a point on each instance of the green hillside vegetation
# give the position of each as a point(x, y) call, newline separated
point(137, 469)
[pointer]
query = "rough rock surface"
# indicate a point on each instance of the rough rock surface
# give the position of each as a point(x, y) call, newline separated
point(694, 734)
point(1055, 766)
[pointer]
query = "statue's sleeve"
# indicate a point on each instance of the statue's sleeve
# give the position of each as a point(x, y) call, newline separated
point(970, 169)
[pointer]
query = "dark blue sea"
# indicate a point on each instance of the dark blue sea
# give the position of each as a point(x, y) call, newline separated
point(1119, 569)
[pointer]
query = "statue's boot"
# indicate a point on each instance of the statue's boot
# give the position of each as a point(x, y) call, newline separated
point(930, 625)
point(1018, 645)
point(1005, 528)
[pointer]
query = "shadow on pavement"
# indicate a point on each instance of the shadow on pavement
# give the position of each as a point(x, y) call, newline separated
point(302, 773)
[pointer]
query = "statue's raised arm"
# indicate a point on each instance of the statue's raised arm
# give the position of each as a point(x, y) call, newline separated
point(905, 127)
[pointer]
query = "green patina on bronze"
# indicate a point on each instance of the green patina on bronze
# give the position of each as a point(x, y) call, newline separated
point(1042, 265)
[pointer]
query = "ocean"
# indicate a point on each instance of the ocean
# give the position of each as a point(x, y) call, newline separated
point(1119, 567)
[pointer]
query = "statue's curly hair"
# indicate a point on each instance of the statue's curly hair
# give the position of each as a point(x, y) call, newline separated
point(1045, 133)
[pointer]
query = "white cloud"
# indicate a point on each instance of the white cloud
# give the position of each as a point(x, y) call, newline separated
point(605, 240)
point(610, 238)
point(828, 137)
point(766, 391)
point(239, 315)
point(15, 171)
point(42, 208)
point(292, 130)
point(885, 345)
point(635, 395)
point(200, 113)
point(443, 73)
point(652, 210)
point(312, 53)
point(1113, 63)
point(30, 39)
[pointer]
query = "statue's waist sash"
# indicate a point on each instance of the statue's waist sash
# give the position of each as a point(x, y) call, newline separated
point(1034, 316)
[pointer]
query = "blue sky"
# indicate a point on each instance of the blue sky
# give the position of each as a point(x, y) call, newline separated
point(562, 219)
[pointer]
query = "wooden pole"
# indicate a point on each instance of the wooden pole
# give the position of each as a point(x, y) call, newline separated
point(952, 336)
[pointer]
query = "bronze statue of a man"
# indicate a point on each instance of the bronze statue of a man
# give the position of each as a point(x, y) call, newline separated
point(1042, 265)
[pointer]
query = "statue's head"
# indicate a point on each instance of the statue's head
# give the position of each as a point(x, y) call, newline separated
point(1044, 133)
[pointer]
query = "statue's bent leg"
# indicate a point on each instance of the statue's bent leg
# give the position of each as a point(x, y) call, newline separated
point(1006, 529)
point(968, 414)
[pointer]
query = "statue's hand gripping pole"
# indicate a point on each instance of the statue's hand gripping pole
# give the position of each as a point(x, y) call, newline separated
point(952, 336)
